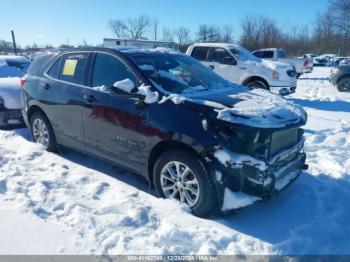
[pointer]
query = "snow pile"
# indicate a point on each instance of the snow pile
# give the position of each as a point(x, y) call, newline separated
point(263, 109)
point(232, 159)
point(99, 213)
point(126, 85)
point(150, 96)
point(234, 200)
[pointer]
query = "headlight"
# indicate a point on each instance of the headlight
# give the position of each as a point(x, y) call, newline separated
point(275, 74)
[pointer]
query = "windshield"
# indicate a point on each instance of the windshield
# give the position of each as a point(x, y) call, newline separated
point(243, 54)
point(178, 74)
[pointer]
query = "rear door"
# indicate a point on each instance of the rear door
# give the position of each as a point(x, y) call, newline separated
point(113, 125)
point(63, 88)
point(223, 63)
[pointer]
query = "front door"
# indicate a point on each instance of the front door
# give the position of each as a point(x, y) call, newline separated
point(223, 63)
point(113, 125)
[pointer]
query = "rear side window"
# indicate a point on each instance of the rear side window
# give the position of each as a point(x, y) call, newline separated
point(108, 70)
point(73, 67)
point(55, 68)
point(200, 53)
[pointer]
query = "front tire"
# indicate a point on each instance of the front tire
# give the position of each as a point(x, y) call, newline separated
point(42, 131)
point(344, 85)
point(256, 84)
point(180, 175)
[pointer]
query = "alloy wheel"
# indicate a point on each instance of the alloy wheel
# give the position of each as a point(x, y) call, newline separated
point(41, 132)
point(178, 181)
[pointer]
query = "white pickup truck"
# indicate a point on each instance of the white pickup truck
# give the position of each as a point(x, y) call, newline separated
point(301, 65)
point(236, 64)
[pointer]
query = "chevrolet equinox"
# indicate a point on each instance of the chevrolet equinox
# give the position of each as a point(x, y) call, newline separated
point(195, 136)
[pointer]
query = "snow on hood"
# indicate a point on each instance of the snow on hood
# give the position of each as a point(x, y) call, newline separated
point(10, 92)
point(272, 65)
point(256, 108)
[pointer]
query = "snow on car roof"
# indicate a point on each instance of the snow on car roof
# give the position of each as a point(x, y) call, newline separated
point(13, 58)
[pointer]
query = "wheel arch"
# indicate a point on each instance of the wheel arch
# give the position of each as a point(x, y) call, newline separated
point(256, 78)
point(343, 77)
point(169, 145)
point(34, 108)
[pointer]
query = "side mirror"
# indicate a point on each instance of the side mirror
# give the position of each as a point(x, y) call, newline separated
point(124, 88)
point(229, 60)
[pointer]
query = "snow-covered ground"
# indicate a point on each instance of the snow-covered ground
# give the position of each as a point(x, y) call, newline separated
point(73, 204)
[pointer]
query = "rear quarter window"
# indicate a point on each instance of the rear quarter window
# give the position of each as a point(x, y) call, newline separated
point(55, 68)
point(73, 67)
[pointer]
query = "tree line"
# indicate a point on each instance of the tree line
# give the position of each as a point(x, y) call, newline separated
point(330, 33)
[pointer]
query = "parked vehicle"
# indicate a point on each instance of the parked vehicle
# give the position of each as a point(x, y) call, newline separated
point(340, 78)
point(165, 116)
point(238, 65)
point(338, 61)
point(324, 60)
point(301, 65)
point(11, 69)
point(308, 56)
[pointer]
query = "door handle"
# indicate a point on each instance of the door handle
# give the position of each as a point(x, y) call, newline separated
point(211, 67)
point(46, 86)
point(89, 99)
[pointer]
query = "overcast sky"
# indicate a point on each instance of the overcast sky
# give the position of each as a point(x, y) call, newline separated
point(61, 21)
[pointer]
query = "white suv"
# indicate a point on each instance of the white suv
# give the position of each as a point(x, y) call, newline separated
point(239, 66)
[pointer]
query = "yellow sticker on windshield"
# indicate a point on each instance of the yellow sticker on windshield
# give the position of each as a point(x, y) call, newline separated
point(69, 67)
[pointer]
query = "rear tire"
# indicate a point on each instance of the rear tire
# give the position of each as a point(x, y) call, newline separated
point(344, 85)
point(256, 84)
point(173, 184)
point(42, 132)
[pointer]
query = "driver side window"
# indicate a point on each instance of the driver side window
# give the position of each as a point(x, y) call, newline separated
point(222, 56)
point(107, 70)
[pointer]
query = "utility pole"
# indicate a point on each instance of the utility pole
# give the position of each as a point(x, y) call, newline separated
point(14, 42)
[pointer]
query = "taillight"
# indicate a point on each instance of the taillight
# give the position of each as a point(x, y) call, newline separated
point(22, 81)
point(306, 63)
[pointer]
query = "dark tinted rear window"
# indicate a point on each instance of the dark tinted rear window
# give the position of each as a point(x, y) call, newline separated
point(73, 67)
point(200, 53)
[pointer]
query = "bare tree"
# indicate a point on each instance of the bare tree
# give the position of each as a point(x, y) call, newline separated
point(227, 34)
point(182, 36)
point(133, 28)
point(168, 35)
point(208, 33)
point(203, 33)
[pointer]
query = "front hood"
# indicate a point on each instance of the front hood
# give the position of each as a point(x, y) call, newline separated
point(256, 108)
point(268, 64)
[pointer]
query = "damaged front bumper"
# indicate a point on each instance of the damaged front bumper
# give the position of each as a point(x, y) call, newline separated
point(254, 177)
